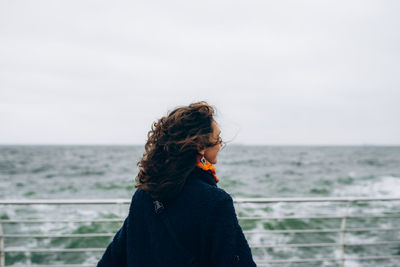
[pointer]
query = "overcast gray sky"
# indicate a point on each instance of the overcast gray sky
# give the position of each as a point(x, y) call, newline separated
point(279, 72)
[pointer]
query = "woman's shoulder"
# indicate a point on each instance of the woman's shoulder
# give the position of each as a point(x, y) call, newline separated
point(199, 189)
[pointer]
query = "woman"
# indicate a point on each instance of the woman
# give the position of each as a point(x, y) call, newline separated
point(178, 216)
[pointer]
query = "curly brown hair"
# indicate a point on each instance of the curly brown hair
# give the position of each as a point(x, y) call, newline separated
point(173, 144)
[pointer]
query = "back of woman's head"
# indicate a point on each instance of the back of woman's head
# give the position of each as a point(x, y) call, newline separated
point(173, 144)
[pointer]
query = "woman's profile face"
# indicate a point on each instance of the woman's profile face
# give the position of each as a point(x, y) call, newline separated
point(211, 153)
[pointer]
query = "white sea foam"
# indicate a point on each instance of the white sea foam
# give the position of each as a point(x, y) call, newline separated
point(388, 186)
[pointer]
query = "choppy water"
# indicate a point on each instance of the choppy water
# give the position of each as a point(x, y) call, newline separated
point(82, 172)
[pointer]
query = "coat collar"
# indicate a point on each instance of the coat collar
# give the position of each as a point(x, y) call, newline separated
point(204, 176)
point(205, 165)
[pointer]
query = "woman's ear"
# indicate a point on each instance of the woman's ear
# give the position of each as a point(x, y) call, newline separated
point(201, 152)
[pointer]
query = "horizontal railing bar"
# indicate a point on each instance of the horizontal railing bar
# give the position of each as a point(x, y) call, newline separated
point(294, 231)
point(61, 221)
point(330, 259)
point(53, 265)
point(245, 231)
point(56, 235)
point(239, 218)
point(373, 258)
point(249, 218)
point(251, 245)
point(371, 229)
point(319, 230)
point(236, 200)
point(314, 199)
point(324, 244)
point(294, 245)
point(64, 201)
point(296, 260)
point(381, 243)
point(263, 262)
point(258, 262)
point(51, 250)
point(45, 250)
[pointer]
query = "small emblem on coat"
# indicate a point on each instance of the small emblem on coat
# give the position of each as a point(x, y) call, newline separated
point(158, 206)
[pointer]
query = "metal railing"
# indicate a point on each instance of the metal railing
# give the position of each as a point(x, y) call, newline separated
point(341, 231)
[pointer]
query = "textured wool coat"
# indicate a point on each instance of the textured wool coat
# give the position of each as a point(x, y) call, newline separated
point(203, 218)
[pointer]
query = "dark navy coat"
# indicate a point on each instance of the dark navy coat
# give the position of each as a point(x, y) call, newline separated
point(203, 218)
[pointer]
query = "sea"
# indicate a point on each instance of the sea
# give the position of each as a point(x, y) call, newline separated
point(30, 172)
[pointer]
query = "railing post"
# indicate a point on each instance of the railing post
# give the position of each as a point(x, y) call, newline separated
point(342, 235)
point(28, 258)
point(2, 254)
